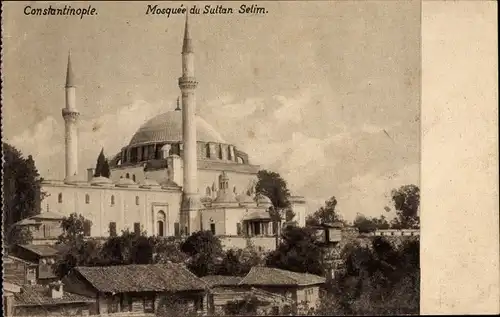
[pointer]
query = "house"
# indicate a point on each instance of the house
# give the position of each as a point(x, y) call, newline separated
point(226, 290)
point(43, 256)
point(303, 289)
point(44, 227)
point(9, 290)
point(148, 288)
point(18, 271)
point(50, 300)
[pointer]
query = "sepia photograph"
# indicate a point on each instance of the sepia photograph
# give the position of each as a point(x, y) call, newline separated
point(211, 159)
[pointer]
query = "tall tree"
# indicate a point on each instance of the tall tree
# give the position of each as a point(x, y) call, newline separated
point(325, 214)
point(205, 251)
point(272, 185)
point(406, 201)
point(21, 187)
point(298, 252)
point(102, 166)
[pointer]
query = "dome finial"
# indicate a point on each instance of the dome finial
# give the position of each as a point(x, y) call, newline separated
point(178, 105)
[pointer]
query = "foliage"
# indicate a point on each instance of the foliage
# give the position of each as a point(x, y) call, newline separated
point(128, 248)
point(238, 262)
point(74, 228)
point(102, 166)
point(365, 224)
point(21, 187)
point(168, 249)
point(272, 185)
point(19, 235)
point(406, 201)
point(297, 252)
point(326, 214)
point(379, 280)
point(246, 306)
point(172, 306)
point(205, 251)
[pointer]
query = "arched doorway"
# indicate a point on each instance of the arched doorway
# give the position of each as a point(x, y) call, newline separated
point(161, 221)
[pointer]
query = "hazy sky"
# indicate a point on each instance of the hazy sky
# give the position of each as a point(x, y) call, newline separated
point(307, 90)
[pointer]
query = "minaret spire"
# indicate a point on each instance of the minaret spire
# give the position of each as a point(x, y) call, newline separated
point(70, 115)
point(187, 46)
point(70, 77)
point(178, 105)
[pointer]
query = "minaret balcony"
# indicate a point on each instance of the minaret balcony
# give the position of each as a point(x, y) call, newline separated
point(187, 82)
point(70, 115)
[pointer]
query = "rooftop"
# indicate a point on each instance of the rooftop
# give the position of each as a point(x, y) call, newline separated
point(141, 278)
point(260, 275)
point(41, 250)
point(38, 295)
point(221, 280)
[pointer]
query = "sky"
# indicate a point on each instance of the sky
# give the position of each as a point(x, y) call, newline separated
point(325, 93)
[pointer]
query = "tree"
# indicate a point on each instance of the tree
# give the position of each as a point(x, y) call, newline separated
point(238, 262)
point(381, 279)
point(205, 251)
point(22, 192)
point(326, 214)
point(297, 252)
point(366, 225)
point(244, 307)
point(272, 185)
point(128, 248)
point(102, 166)
point(168, 249)
point(406, 201)
point(19, 235)
point(75, 228)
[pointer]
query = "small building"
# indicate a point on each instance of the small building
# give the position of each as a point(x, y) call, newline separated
point(226, 290)
point(138, 288)
point(18, 271)
point(44, 227)
point(50, 300)
point(303, 289)
point(43, 256)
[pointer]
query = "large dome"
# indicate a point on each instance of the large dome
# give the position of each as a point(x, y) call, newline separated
point(167, 127)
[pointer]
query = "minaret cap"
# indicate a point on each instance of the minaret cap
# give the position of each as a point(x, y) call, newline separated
point(187, 46)
point(70, 78)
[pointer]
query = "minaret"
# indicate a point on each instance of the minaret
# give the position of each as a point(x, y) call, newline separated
point(191, 204)
point(70, 115)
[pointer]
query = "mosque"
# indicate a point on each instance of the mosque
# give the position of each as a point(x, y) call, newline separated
point(175, 177)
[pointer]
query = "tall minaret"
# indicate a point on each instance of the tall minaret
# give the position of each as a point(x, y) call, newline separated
point(70, 115)
point(191, 204)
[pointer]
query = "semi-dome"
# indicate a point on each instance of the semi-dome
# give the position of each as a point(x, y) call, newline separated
point(126, 182)
point(101, 181)
point(225, 197)
point(167, 127)
point(149, 183)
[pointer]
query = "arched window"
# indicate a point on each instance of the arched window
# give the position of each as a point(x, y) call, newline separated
point(59, 198)
point(87, 199)
point(137, 200)
point(133, 177)
point(220, 152)
point(207, 149)
point(160, 223)
point(208, 192)
point(112, 200)
point(127, 175)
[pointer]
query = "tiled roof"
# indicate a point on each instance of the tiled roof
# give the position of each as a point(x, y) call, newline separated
point(38, 295)
point(41, 250)
point(260, 275)
point(221, 280)
point(142, 278)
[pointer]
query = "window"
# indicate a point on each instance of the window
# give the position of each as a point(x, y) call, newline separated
point(137, 200)
point(208, 192)
point(86, 228)
point(198, 303)
point(113, 304)
point(161, 220)
point(133, 177)
point(87, 199)
point(212, 228)
point(127, 175)
point(59, 198)
point(207, 149)
point(149, 305)
point(112, 229)
point(46, 231)
point(238, 228)
point(176, 229)
point(137, 228)
point(112, 200)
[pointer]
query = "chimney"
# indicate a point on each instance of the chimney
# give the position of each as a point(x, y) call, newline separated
point(56, 289)
point(90, 174)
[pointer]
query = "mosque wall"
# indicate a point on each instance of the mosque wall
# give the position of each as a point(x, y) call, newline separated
point(127, 208)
